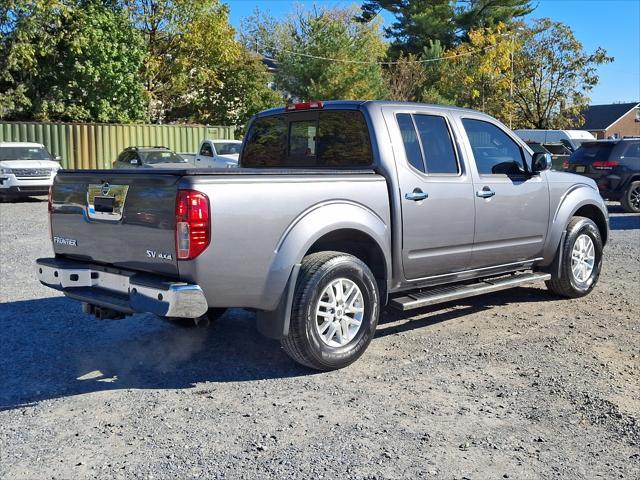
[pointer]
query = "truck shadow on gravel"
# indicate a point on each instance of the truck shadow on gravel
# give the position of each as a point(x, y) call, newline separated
point(48, 349)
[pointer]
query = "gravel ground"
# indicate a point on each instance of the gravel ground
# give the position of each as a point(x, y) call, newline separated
point(519, 384)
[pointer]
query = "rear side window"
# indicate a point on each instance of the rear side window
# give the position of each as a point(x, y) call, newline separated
point(429, 148)
point(410, 141)
point(329, 139)
point(494, 151)
point(436, 145)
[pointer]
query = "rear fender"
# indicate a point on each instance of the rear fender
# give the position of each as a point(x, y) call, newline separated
point(310, 226)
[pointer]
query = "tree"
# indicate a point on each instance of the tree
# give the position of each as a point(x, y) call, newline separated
point(324, 54)
point(195, 69)
point(69, 60)
point(553, 76)
point(405, 79)
point(477, 74)
point(449, 21)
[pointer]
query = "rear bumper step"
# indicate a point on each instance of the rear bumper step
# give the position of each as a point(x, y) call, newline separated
point(122, 290)
point(455, 292)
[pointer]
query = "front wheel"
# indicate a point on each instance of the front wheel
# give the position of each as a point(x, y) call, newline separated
point(631, 199)
point(335, 311)
point(581, 260)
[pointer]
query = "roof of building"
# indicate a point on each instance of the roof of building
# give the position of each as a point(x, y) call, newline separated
point(601, 117)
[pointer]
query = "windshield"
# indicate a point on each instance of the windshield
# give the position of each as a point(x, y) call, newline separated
point(591, 152)
point(227, 148)
point(24, 153)
point(160, 156)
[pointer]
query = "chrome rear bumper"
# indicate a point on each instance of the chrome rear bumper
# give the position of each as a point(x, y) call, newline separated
point(125, 291)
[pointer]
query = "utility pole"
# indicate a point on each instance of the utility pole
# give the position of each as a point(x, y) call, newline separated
point(511, 86)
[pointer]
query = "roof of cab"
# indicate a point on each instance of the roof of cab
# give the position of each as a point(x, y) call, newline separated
point(355, 104)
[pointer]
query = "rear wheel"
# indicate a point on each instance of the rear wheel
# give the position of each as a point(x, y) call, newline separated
point(206, 320)
point(631, 199)
point(334, 313)
point(581, 260)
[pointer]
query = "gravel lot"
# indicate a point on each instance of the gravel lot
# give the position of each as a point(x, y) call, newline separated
point(518, 384)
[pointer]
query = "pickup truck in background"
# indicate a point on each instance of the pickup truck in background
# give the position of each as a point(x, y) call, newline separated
point(216, 154)
point(26, 169)
point(337, 210)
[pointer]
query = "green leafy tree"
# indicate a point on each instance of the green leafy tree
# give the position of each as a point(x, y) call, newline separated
point(323, 54)
point(417, 22)
point(195, 69)
point(553, 76)
point(478, 73)
point(69, 60)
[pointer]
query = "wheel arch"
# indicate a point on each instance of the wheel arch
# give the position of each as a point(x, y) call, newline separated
point(341, 226)
point(580, 200)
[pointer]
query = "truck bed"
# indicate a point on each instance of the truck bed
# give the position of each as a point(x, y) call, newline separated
point(252, 211)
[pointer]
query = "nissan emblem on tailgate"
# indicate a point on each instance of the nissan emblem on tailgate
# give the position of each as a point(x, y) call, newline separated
point(106, 201)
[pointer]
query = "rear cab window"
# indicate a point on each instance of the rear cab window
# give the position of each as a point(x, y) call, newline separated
point(309, 139)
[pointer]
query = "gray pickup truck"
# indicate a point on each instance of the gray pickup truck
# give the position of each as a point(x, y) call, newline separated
point(337, 210)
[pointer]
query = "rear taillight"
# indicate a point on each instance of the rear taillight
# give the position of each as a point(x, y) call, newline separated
point(606, 165)
point(193, 224)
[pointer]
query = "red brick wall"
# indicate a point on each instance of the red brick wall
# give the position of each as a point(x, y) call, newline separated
point(626, 126)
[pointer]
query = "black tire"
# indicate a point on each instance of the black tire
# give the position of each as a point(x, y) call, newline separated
point(631, 198)
point(208, 319)
point(567, 284)
point(304, 343)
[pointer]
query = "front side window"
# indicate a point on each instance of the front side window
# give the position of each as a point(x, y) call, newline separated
point(206, 150)
point(494, 151)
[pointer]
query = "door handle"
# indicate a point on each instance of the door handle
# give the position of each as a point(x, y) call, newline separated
point(416, 195)
point(486, 192)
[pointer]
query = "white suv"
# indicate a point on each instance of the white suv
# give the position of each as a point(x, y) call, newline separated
point(25, 169)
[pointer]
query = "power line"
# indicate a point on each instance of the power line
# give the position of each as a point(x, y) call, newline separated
point(365, 62)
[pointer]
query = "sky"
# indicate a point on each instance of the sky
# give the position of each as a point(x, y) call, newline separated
point(611, 24)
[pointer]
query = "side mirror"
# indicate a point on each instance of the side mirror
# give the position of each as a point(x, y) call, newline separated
point(57, 158)
point(540, 162)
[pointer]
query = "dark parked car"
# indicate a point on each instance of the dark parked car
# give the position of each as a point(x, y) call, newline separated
point(149, 157)
point(615, 166)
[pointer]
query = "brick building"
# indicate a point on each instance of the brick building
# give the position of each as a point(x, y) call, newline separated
point(614, 120)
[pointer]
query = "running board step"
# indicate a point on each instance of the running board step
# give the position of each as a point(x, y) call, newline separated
point(456, 292)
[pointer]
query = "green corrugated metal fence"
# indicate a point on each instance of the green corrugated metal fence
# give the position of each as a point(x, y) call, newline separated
point(95, 145)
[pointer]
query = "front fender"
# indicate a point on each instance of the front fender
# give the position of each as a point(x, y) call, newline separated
point(313, 224)
point(574, 198)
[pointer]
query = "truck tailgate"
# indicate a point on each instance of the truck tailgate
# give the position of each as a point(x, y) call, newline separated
point(116, 217)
